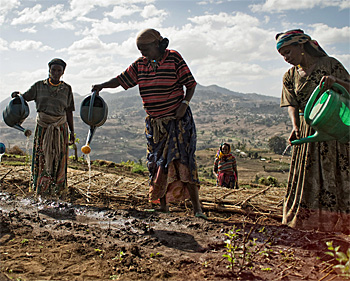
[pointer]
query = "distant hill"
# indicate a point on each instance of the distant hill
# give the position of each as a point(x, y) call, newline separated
point(220, 114)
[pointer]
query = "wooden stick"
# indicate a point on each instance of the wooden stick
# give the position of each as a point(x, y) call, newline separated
point(132, 190)
point(5, 175)
point(215, 207)
point(98, 174)
point(19, 189)
point(254, 195)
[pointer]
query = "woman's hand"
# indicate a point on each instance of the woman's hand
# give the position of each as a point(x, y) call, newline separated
point(180, 111)
point(15, 94)
point(327, 82)
point(71, 138)
point(96, 88)
point(295, 135)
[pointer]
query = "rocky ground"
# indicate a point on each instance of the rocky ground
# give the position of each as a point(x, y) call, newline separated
point(105, 231)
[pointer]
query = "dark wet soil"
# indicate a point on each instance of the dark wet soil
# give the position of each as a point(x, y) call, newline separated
point(87, 238)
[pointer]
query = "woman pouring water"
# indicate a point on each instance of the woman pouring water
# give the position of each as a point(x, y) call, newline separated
point(161, 74)
point(54, 105)
point(318, 193)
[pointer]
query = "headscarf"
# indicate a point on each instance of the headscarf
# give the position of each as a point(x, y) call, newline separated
point(221, 155)
point(58, 62)
point(148, 36)
point(297, 36)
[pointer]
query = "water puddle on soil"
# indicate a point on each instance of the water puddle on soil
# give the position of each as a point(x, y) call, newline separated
point(63, 211)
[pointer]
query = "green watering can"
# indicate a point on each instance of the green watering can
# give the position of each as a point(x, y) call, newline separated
point(329, 116)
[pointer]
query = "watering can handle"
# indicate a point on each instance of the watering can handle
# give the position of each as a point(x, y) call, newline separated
point(92, 101)
point(315, 95)
point(341, 89)
point(22, 103)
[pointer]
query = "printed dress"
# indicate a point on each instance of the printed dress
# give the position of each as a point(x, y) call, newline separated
point(318, 191)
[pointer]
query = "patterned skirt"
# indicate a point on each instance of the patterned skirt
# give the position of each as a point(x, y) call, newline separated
point(318, 193)
point(171, 146)
point(52, 184)
point(226, 179)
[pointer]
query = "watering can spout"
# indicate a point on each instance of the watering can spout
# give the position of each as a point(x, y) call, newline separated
point(317, 137)
point(90, 135)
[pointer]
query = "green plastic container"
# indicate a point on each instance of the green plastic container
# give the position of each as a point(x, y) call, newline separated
point(329, 116)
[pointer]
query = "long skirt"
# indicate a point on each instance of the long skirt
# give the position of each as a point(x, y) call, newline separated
point(171, 161)
point(226, 179)
point(53, 184)
point(318, 192)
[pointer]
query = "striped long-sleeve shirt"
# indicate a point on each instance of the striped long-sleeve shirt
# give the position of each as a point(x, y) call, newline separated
point(161, 89)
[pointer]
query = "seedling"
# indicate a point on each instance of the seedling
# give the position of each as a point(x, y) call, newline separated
point(342, 258)
point(231, 246)
point(119, 256)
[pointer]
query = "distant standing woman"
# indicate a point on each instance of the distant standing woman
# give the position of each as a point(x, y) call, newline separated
point(161, 75)
point(225, 167)
point(318, 193)
point(54, 105)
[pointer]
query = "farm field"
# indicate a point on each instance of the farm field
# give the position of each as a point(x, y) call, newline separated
point(105, 231)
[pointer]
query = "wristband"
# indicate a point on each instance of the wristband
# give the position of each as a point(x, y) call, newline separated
point(186, 102)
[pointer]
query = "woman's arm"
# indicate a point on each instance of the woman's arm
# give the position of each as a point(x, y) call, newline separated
point(71, 126)
point(181, 110)
point(294, 117)
point(113, 83)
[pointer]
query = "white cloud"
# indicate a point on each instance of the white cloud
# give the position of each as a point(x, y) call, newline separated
point(284, 5)
point(123, 11)
point(34, 15)
point(330, 35)
point(5, 7)
point(150, 11)
point(29, 30)
point(3, 45)
point(29, 45)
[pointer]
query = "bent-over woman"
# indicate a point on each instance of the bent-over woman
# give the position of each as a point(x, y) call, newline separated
point(318, 193)
point(161, 75)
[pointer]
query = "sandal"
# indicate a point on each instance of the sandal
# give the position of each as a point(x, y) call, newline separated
point(200, 215)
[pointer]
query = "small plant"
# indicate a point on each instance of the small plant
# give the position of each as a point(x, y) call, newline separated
point(24, 241)
point(152, 255)
point(119, 256)
point(231, 246)
point(342, 258)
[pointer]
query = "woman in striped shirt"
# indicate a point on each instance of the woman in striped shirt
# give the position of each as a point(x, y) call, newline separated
point(225, 167)
point(161, 74)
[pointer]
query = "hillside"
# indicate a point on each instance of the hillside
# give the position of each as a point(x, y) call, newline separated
point(245, 120)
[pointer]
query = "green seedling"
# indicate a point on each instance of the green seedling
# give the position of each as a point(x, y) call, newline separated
point(24, 241)
point(342, 258)
point(231, 245)
point(152, 255)
point(119, 256)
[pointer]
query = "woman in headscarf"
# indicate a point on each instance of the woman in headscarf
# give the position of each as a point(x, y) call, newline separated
point(318, 193)
point(225, 167)
point(54, 105)
point(161, 75)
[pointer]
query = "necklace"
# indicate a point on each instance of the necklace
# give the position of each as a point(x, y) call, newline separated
point(52, 84)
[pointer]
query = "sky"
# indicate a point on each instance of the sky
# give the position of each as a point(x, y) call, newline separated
point(227, 43)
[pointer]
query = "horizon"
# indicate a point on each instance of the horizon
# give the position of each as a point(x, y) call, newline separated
point(226, 43)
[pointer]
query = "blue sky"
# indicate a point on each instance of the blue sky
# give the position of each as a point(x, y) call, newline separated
point(227, 43)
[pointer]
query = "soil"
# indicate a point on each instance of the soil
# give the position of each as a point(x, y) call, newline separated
point(105, 231)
